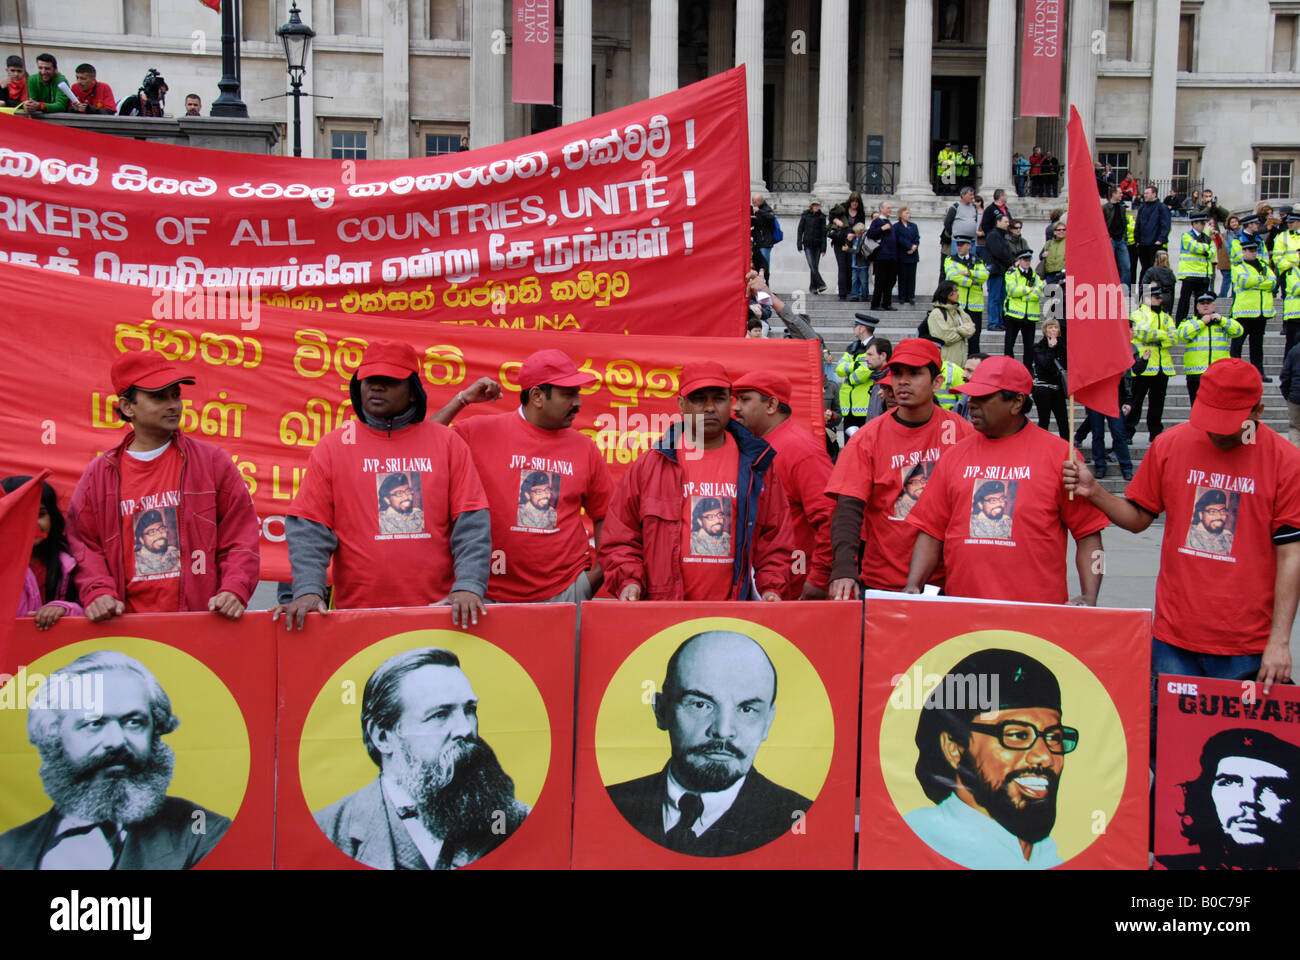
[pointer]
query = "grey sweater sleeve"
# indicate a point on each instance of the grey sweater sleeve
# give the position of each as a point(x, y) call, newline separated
point(311, 545)
point(471, 551)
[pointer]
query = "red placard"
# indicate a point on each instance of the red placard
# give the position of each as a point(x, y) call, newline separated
point(268, 394)
point(1227, 765)
point(518, 662)
point(533, 52)
point(803, 750)
point(220, 680)
point(914, 723)
point(584, 227)
point(1041, 59)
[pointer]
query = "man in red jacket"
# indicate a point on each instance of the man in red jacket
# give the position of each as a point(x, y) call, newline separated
point(702, 515)
point(804, 467)
point(163, 522)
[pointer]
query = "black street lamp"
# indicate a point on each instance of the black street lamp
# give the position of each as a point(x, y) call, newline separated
point(228, 103)
point(297, 38)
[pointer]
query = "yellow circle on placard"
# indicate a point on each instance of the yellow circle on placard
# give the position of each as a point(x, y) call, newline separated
point(211, 743)
point(512, 717)
point(798, 749)
point(1092, 780)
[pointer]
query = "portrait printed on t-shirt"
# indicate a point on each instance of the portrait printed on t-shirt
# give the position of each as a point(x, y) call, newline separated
point(157, 544)
point(710, 526)
point(539, 492)
point(992, 507)
point(1214, 521)
point(401, 503)
point(914, 478)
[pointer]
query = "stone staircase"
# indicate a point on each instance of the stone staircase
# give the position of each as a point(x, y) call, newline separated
point(833, 320)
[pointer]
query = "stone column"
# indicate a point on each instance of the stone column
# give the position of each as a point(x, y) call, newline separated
point(722, 35)
point(833, 101)
point(397, 84)
point(999, 97)
point(663, 47)
point(487, 91)
point(914, 137)
point(749, 51)
point(1164, 90)
point(577, 61)
point(1081, 76)
point(794, 114)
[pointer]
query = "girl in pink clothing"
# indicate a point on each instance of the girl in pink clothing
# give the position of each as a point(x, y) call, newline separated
point(49, 590)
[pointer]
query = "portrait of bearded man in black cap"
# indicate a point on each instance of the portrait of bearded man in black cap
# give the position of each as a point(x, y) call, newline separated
point(441, 799)
point(992, 769)
point(106, 769)
point(1237, 810)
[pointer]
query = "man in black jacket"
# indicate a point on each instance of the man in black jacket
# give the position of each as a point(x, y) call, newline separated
point(1001, 258)
point(812, 241)
point(886, 258)
point(762, 233)
point(1152, 231)
point(1116, 216)
point(717, 704)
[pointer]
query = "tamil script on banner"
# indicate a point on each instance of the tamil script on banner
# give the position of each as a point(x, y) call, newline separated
point(271, 384)
point(1003, 736)
point(1041, 58)
point(630, 222)
point(1227, 770)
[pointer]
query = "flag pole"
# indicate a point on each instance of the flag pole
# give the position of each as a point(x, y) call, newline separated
point(22, 47)
point(1070, 418)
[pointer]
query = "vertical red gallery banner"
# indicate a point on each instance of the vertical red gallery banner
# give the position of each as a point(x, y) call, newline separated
point(533, 63)
point(756, 719)
point(411, 793)
point(163, 724)
point(1227, 769)
point(1041, 58)
point(1003, 736)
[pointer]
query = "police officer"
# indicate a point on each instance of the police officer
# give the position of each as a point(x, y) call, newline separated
point(1253, 283)
point(1208, 337)
point(856, 374)
point(1195, 266)
point(1023, 307)
point(1153, 333)
point(970, 275)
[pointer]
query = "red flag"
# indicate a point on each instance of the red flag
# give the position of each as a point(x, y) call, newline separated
point(18, 512)
point(214, 4)
point(1099, 339)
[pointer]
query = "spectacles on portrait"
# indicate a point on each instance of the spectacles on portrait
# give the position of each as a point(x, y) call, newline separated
point(1019, 735)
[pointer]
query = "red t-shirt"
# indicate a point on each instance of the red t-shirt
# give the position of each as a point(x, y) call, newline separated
point(804, 467)
point(100, 95)
point(151, 542)
point(1214, 593)
point(878, 463)
point(392, 500)
point(1001, 510)
point(538, 482)
point(709, 520)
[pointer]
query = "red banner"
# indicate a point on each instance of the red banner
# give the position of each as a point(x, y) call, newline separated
point(218, 725)
point(1041, 59)
point(632, 221)
point(1227, 763)
point(270, 386)
point(509, 680)
point(1000, 736)
point(785, 799)
point(533, 52)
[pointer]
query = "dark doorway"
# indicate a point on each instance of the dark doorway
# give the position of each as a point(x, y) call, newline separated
point(547, 116)
point(954, 115)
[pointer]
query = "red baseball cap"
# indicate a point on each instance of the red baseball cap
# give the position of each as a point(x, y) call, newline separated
point(887, 380)
point(388, 358)
point(703, 373)
point(146, 370)
point(1229, 390)
point(998, 373)
point(554, 367)
point(915, 352)
point(767, 383)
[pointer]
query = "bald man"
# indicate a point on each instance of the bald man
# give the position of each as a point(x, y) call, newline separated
point(718, 704)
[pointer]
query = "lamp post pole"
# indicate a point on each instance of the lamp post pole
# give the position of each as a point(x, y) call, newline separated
point(297, 37)
point(228, 103)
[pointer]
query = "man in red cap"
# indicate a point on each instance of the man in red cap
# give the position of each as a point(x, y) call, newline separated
point(803, 466)
point(701, 515)
point(994, 511)
point(163, 522)
point(540, 476)
point(881, 472)
point(1218, 614)
point(394, 500)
